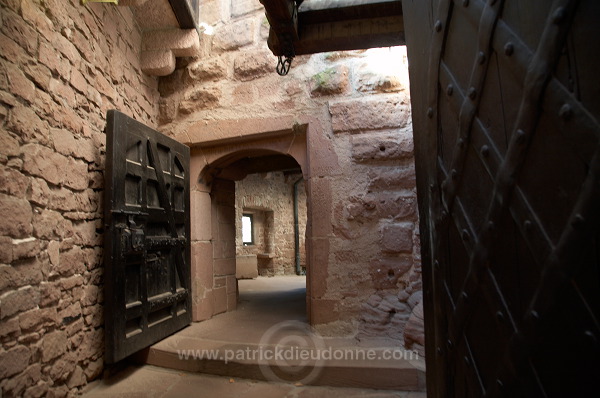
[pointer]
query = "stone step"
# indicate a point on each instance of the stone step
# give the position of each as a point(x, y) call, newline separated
point(332, 363)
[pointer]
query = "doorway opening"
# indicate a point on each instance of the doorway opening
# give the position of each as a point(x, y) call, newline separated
point(250, 223)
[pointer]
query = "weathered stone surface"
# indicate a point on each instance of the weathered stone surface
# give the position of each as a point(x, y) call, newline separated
point(15, 217)
point(234, 36)
point(5, 251)
point(29, 377)
point(50, 224)
point(9, 326)
point(31, 320)
point(397, 237)
point(13, 182)
point(53, 345)
point(330, 81)
point(385, 272)
point(208, 69)
point(77, 177)
point(242, 7)
point(14, 361)
point(69, 145)
point(414, 332)
point(53, 252)
point(77, 378)
point(43, 162)
point(18, 300)
point(9, 146)
point(25, 248)
point(252, 65)
point(49, 294)
point(204, 98)
point(24, 121)
point(19, 84)
point(378, 205)
point(368, 147)
point(94, 369)
point(383, 316)
point(21, 274)
point(392, 179)
point(369, 114)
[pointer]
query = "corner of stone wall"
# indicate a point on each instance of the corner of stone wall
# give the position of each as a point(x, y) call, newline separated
point(62, 66)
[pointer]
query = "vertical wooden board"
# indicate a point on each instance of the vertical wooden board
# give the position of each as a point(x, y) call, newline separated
point(550, 171)
point(461, 46)
point(527, 19)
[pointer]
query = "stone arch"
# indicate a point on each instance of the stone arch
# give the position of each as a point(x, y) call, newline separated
point(216, 161)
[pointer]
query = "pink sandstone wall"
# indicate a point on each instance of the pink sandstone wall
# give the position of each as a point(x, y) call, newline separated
point(363, 240)
point(272, 195)
point(62, 66)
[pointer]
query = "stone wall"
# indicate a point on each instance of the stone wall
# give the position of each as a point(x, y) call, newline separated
point(364, 270)
point(62, 66)
point(271, 195)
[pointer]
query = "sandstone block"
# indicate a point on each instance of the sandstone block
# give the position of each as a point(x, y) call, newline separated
point(18, 300)
point(385, 272)
point(5, 252)
point(68, 144)
point(414, 332)
point(199, 99)
point(242, 7)
point(25, 248)
point(210, 69)
point(62, 368)
point(50, 224)
point(234, 36)
point(246, 266)
point(77, 378)
point(77, 175)
point(330, 81)
point(32, 320)
point(13, 182)
point(94, 369)
point(369, 114)
point(9, 327)
point(19, 84)
point(219, 300)
point(24, 121)
point(37, 391)
point(15, 216)
point(253, 65)
point(397, 237)
point(224, 266)
point(43, 162)
point(49, 57)
point(212, 11)
point(392, 179)
point(9, 146)
point(368, 147)
point(14, 361)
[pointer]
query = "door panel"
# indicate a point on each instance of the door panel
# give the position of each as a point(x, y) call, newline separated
point(505, 100)
point(147, 247)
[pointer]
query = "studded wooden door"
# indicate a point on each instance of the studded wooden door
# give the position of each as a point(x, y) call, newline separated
point(506, 108)
point(147, 246)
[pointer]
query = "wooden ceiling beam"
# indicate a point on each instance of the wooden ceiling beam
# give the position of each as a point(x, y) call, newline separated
point(333, 25)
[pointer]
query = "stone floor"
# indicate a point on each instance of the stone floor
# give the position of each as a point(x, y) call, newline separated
point(265, 304)
point(154, 382)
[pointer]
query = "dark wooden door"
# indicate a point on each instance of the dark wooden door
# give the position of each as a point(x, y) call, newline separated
point(506, 110)
point(147, 246)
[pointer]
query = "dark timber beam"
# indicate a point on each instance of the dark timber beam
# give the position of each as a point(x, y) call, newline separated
point(332, 25)
point(186, 12)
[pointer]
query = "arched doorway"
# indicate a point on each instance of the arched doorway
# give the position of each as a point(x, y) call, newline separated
point(217, 164)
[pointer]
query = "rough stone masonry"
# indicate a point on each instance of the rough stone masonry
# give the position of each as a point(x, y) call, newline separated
point(63, 65)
